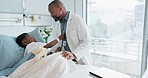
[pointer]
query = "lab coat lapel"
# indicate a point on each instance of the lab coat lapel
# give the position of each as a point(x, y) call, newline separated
point(69, 29)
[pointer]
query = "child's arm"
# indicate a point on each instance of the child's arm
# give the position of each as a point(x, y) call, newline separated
point(52, 43)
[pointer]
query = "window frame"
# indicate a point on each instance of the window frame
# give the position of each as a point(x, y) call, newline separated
point(144, 58)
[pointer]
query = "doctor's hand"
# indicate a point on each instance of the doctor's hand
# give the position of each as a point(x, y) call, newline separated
point(68, 55)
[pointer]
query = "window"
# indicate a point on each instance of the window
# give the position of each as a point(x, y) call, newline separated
point(116, 29)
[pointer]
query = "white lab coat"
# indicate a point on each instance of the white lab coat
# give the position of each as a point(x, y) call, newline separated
point(77, 38)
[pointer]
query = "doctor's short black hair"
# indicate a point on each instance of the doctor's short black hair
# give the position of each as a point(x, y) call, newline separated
point(20, 38)
point(57, 3)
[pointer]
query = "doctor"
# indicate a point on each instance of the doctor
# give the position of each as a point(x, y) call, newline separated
point(74, 45)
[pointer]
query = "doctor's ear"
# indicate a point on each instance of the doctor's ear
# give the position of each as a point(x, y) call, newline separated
point(25, 43)
point(61, 8)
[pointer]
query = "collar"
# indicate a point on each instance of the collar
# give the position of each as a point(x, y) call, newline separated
point(66, 17)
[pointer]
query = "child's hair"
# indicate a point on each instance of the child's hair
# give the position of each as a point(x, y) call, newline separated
point(20, 38)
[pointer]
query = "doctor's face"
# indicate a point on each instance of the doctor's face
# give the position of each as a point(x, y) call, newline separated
point(55, 12)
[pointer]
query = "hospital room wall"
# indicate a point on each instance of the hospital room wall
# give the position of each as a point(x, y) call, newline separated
point(144, 63)
point(24, 13)
point(31, 12)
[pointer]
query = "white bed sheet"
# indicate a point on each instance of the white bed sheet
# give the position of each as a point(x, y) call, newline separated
point(52, 66)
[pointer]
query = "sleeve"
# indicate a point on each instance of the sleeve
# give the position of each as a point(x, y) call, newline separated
point(82, 51)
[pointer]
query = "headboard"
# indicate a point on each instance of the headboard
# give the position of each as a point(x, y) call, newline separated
point(15, 30)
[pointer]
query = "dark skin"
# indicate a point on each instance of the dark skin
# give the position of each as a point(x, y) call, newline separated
point(57, 11)
point(52, 43)
point(58, 14)
point(28, 39)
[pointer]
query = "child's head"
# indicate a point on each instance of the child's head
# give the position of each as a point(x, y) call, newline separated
point(24, 39)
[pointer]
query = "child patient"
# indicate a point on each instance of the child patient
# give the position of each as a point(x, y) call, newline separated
point(54, 66)
point(26, 41)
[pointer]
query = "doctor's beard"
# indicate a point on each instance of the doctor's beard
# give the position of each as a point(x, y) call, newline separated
point(56, 18)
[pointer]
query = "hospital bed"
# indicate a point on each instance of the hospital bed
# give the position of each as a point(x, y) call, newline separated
point(10, 60)
point(11, 55)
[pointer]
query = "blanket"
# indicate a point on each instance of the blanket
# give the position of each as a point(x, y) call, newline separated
point(52, 66)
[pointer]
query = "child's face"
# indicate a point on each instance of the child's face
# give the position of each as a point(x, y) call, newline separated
point(28, 39)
